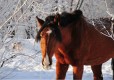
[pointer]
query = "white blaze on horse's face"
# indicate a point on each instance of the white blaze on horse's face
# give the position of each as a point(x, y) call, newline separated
point(44, 41)
point(46, 62)
point(49, 32)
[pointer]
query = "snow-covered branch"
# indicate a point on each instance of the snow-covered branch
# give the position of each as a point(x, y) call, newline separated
point(16, 10)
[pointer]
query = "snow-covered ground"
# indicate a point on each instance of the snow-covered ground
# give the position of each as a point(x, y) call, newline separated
point(27, 65)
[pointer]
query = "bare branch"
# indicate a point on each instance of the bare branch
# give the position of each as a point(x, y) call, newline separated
point(3, 62)
point(13, 14)
point(79, 4)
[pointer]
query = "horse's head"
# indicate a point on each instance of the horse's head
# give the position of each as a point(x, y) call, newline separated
point(48, 34)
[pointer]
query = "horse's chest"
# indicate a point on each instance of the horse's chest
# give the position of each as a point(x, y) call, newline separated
point(64, 59)
point(60, 58)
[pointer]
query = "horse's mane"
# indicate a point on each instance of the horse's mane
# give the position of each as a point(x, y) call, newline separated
point(63, 19)
point(67, 18)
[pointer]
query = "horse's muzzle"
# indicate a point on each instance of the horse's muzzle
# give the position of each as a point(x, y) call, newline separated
point(47, 67)
point(46, 64)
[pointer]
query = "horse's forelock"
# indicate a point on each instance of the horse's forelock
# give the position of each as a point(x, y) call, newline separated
point(53, 21)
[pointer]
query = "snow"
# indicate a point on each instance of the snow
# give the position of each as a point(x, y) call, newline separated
point(27, 65)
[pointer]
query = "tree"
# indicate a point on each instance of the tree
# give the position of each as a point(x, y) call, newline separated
point(110, 7)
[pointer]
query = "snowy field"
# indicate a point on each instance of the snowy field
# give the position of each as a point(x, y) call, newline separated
point(27, 65)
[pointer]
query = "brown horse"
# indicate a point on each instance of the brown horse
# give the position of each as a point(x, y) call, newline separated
point(74, 42)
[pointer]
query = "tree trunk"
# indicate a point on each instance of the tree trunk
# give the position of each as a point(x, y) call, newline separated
point(71, 5)
point(20, 32)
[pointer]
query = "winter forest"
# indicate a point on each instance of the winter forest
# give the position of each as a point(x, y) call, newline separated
point(20, 55)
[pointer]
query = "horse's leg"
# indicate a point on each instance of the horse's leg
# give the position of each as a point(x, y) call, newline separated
point(77, 72)
point(112, 63)
point(61, 70)
point(97, 72)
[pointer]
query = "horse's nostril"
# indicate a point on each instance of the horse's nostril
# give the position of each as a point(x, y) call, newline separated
point(42, 64)
point(46, 66)
point(50, 63)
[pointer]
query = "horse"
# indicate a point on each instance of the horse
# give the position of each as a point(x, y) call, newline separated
point(74, 41)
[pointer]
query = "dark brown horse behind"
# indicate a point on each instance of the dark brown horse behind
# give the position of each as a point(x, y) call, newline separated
point(74, 42)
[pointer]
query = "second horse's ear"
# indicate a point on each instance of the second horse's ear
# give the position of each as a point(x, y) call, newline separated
point(40, 22)
point(57, 18)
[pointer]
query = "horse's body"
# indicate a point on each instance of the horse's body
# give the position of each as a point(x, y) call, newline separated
point(93, 48)
point(81, 44)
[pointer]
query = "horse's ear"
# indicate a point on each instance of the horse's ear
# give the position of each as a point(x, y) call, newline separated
point(57, 18)
point(40, 22)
